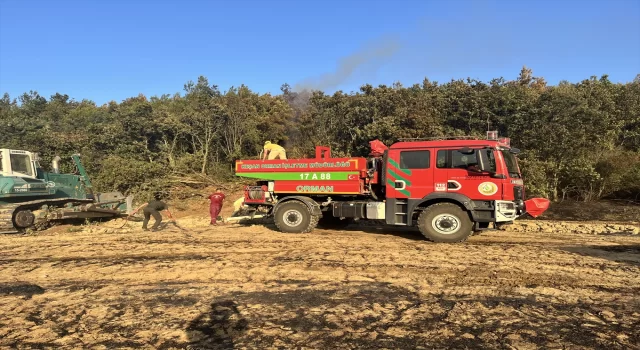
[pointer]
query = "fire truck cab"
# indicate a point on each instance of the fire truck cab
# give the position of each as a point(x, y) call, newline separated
point(448, 188)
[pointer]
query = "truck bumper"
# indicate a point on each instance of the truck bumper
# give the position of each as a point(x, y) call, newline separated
point(505, 211)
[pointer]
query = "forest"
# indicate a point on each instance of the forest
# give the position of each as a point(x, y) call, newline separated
point(579, 141)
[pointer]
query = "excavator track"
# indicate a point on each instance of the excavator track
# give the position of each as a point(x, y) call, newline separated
point(6, 218)
point(7, 211)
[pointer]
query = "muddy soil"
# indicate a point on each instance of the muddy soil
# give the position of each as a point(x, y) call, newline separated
point(239, 286)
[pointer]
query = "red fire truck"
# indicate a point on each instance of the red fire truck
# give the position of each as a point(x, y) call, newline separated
point(450, 188)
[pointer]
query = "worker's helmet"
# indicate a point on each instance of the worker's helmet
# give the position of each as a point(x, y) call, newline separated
point(267, 143)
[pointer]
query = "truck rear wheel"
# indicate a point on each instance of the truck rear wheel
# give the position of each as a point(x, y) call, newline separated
point(445, 223)
point(295, 217)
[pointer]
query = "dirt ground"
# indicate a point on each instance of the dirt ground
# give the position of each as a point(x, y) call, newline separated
point(535, 285)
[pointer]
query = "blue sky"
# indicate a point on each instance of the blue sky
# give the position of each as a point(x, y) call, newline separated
point(111, 50)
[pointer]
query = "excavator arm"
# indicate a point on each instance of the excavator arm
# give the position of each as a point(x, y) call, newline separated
point(82, 171)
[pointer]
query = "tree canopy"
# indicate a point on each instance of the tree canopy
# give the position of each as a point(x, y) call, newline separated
point(578, 140)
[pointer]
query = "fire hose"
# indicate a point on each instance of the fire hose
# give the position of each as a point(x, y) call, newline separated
point(126, 220)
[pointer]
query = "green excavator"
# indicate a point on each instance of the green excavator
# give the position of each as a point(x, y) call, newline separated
point(31, 198)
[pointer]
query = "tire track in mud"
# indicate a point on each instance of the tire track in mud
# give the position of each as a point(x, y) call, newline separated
point(255, 288)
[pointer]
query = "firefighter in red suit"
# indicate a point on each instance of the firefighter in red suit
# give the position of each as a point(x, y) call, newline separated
point(217, 198)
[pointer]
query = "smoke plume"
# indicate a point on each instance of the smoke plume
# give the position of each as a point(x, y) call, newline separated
point(373, 55)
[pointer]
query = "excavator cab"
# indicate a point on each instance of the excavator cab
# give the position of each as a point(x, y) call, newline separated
point(18, 163)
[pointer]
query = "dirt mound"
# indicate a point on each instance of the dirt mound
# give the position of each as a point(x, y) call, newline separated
point(621, 211)
point(597, 228)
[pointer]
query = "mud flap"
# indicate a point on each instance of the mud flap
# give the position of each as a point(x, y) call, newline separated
point(536, 206)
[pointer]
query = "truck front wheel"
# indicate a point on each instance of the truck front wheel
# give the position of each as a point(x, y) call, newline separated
point(445, 223)
point(295, 217)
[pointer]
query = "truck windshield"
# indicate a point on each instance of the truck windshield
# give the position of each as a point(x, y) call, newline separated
point(512, 164)
point(20, 163)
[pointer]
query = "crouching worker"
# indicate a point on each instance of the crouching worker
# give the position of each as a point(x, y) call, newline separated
point(273, 151)
point(153, 208)
point(238, 207)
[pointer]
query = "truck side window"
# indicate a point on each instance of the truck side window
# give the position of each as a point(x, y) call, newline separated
point(415, 159)
point(453, 159)
point(463, 161)
point(441, 161)
point(488, 159)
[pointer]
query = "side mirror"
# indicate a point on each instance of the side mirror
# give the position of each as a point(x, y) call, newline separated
point(514, 150)
point(466, 150)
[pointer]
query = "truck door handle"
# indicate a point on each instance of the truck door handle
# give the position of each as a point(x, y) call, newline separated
point(400, 185)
